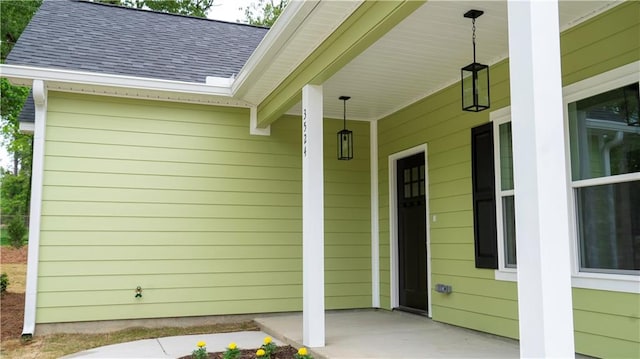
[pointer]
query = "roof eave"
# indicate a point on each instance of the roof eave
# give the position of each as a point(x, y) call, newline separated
point(267, 51)
point(217, 91)
point(289, 31)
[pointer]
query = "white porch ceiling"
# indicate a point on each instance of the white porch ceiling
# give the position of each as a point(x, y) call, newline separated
point(425, 52)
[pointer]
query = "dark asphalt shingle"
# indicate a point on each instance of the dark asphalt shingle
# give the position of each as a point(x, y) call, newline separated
point(85, 36)
point(28, 112)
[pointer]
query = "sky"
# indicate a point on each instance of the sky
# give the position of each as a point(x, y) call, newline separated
point(228, 10)
point(225, 10)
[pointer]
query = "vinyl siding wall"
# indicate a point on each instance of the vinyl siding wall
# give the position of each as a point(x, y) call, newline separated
point(180, 200)
point(607, 324)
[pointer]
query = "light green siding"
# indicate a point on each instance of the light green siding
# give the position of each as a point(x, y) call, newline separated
point(606, 323)
point(180, 200)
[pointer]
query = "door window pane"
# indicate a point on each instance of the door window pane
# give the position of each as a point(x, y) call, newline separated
point(609, 227)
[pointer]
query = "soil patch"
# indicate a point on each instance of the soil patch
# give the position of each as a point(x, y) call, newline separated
point(12, 312)
point(12, 302)
point(13, 255)
point(283, 352)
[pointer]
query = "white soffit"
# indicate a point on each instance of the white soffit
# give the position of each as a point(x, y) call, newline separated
point(424, 54)
point(323, 20)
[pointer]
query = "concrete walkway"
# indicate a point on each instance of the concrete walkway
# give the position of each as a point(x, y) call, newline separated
point(383, 334)
point(351, 334)
point(175, 347)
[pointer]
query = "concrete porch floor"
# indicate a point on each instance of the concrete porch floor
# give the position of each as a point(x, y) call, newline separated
point(385, 334)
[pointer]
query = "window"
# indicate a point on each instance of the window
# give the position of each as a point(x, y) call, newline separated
point(605, 163)
point(505, 203)
point(603, 142)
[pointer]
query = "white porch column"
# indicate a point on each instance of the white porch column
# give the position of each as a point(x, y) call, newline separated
point(540, 175)
point(312, 217)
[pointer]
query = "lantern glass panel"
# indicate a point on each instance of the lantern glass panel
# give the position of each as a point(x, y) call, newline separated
point(475, 87)
point(345, 145)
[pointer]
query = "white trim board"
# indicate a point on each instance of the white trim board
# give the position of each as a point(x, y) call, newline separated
point(393, 225)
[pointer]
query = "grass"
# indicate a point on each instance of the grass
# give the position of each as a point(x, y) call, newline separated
point(57, 345)
point(17, 274)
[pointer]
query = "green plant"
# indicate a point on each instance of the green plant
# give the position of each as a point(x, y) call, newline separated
point(232, 351)
point(4, 282)
point(201, 352)
point(302, 354)
point(268, 346)
point(16, 230)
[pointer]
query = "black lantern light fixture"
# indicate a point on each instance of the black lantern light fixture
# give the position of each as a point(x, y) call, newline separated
point(345, 137)
point(475, 76)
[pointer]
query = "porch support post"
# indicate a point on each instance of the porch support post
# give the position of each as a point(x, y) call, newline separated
point(312, 217)
point(540, 175)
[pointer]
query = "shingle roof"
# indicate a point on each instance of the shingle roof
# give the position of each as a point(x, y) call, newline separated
point(28, 112)
point(85, 36)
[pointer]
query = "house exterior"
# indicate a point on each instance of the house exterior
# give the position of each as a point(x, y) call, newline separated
point(215, 188)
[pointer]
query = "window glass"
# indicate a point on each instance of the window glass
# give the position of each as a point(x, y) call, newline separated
point(605, 141)
point(605, 134)
point(609, 227)
point(506, 157)
point(509, 230)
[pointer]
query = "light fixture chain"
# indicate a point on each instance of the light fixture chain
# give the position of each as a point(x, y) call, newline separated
point(473, 28)
point(344, 114)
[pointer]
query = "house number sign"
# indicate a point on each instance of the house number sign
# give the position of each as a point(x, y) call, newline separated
point(304, 133)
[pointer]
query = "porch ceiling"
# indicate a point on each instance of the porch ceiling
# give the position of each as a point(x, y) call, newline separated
point(424, 54)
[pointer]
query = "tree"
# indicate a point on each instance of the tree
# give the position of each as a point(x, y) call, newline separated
point(264, 12)
point(198, 8)
point(14, 16)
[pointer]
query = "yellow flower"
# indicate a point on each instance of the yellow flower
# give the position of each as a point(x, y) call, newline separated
point(201, 344)
point(267, 340)
point(302, 351)
point(232, 346)
point(260, 353)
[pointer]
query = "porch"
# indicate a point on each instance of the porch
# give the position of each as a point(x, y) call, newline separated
point(384, 334)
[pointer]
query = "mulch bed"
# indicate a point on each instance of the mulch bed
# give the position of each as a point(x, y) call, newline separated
point(284, 352)
point(10, 255)
point(12, 304)
point(12, 312)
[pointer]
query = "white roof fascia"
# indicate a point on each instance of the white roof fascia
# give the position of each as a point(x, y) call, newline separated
point(276, 38)
point(24, 75)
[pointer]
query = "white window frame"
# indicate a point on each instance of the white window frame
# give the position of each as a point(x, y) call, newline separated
point(592, 86)
point(498, 118)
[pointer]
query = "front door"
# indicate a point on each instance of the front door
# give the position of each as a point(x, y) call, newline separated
point(412, 246)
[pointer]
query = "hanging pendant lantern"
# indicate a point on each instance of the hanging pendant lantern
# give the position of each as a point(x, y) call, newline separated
point(345, 137)
point(475, 76)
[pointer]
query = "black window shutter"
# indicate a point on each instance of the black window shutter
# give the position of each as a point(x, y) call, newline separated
point(484, 197)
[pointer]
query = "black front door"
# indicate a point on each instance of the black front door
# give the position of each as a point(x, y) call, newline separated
point(412, 243)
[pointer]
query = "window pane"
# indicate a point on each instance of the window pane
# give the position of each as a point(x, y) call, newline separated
point(609, 227)
point(509, 224)
point(414, 174)
point(506, 157)
point(407, 191)
point(407, 175)
point(605, 134)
